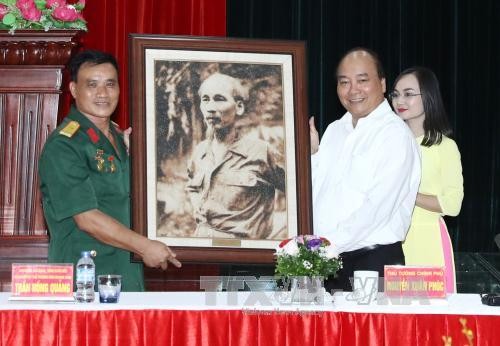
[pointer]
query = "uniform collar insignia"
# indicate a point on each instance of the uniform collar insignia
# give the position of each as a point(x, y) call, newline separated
point(94, 137)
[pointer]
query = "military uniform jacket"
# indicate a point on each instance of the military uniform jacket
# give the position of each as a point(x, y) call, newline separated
point(80, 170)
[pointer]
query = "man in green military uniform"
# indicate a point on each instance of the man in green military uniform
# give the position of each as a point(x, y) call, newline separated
point(85, 180)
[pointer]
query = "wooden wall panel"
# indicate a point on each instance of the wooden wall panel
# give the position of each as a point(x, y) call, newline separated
point(26, 119)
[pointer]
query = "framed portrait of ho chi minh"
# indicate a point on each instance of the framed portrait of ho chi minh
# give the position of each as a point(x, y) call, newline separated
point(220, 145)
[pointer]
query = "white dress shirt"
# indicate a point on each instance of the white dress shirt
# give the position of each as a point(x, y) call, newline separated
point(365, 180)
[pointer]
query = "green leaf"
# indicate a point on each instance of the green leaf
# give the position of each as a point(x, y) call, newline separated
point(34, 26)
point(59, 25)
point(78, 6)
point(9, 19)
point(8, 2)
point(40, 4)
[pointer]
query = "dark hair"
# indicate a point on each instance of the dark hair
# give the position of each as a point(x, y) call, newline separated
point(374, 56)
point(436, 123)
point(92, 57)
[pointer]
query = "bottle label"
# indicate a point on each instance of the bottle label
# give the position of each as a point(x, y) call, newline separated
point(85, 274)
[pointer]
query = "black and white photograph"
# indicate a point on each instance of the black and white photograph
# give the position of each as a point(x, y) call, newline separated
point(220, 143)
point(219, 147)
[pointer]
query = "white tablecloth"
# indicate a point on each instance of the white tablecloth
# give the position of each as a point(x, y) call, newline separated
point(461, 304)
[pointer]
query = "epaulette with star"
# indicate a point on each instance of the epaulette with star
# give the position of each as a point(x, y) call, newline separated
point(70, 129)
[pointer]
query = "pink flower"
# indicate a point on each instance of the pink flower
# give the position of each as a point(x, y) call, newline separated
point(65, 14)
point(3, 11)
point(299, 239)
point(25, 4)
point(55, 3)
point(28, 10)
point(32, 14)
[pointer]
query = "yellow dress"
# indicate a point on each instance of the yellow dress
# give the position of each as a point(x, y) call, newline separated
point(427, 241)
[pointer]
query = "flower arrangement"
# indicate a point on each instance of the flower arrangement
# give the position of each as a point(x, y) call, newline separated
point(307, 255)
point(41, 15)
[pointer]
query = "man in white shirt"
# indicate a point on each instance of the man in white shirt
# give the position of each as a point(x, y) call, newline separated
point(365, 173)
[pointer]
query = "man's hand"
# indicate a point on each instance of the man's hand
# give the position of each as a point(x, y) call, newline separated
point(126, 138)
point(109, 231)
point(313, 133)
point(126, 134)
point(157, 254)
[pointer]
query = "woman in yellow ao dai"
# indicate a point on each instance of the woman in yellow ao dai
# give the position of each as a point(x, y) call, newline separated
point(416, 98)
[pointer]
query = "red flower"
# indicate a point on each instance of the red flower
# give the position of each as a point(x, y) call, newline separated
point(284, 242)
point(111, 158)
point(3, 11)
point(65, 14)
point(94, 137)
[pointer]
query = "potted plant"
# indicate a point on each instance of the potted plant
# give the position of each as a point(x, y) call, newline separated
point(305, 261)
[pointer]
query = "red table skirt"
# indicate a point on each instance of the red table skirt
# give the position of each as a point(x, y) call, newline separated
point(219, 327)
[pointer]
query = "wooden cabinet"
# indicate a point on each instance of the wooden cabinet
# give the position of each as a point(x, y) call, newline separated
point(31, 65)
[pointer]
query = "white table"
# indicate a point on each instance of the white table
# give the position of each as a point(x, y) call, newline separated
point(242, 318)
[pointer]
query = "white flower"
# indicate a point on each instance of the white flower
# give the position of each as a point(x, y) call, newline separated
point(291, 248)
point(307, 264)
point(279, 251)
point(331, 252)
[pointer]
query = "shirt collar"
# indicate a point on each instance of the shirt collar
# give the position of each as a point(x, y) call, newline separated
point(239, 147)
point(381, 109)
point(95, 135)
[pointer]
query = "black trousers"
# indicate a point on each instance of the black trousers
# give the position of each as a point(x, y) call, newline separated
point(370, 258)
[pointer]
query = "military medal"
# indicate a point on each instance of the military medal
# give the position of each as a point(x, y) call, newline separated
point(112, 167)
point(99, 159)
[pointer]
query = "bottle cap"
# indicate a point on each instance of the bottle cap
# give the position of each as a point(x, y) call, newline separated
point(85, 254)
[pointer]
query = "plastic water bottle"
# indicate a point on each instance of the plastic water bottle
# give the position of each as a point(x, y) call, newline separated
point(85, 278)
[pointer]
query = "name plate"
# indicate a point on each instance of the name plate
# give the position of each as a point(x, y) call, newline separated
point(414, 281)
point(42, 282)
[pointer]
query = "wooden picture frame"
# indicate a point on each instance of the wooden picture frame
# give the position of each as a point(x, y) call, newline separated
point(168, 128)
